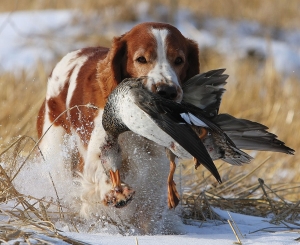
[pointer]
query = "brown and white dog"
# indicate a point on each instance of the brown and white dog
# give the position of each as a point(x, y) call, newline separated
point(89, 75)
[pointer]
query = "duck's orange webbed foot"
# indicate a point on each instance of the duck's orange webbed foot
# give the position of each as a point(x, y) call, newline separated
point(121, 194)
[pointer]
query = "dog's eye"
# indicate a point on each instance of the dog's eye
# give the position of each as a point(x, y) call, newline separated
point(142, 60)
point(178, 61)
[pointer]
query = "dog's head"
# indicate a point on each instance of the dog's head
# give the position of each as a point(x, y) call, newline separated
point(158, 51)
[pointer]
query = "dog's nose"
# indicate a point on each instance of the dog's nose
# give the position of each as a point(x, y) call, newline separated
point(167, 91)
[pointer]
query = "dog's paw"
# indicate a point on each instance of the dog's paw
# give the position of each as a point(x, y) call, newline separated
point(119, 197)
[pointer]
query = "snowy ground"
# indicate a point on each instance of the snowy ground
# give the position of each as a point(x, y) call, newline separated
point(23, 43)
point(253, 230)
point(250, 230)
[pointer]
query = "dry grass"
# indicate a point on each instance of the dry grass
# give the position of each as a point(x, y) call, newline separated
point(283, 14)
point(21, 97)
point(273, 13)
point(30, 219)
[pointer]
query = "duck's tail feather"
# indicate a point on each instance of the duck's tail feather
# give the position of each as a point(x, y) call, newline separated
point(250, 135)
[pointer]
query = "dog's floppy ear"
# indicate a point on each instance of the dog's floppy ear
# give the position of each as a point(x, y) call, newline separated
point(110, 70)
point(193, 64)
point(117, 56)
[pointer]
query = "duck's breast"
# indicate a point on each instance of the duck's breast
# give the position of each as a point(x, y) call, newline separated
point(141, 123)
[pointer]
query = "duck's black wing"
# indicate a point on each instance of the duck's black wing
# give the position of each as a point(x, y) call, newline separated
point(167, 115)
point(205, 91)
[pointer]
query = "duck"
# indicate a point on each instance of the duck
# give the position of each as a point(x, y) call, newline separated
point(192, 128)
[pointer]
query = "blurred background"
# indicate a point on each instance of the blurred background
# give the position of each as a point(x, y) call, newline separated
point(258, 42)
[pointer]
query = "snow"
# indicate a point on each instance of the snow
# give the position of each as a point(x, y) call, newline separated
point(18, 47)
point(24, 43)
point(27, 38)
point(210, 233)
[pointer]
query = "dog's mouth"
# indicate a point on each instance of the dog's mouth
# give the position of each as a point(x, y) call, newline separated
point(165, 88)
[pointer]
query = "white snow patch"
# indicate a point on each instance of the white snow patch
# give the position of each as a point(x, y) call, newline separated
point(24, 42)
point(254, 230)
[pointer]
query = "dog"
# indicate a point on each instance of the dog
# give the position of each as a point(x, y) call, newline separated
point(81, 82)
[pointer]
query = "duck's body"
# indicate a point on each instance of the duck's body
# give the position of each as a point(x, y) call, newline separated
point(131, 107)
point(192, 128)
